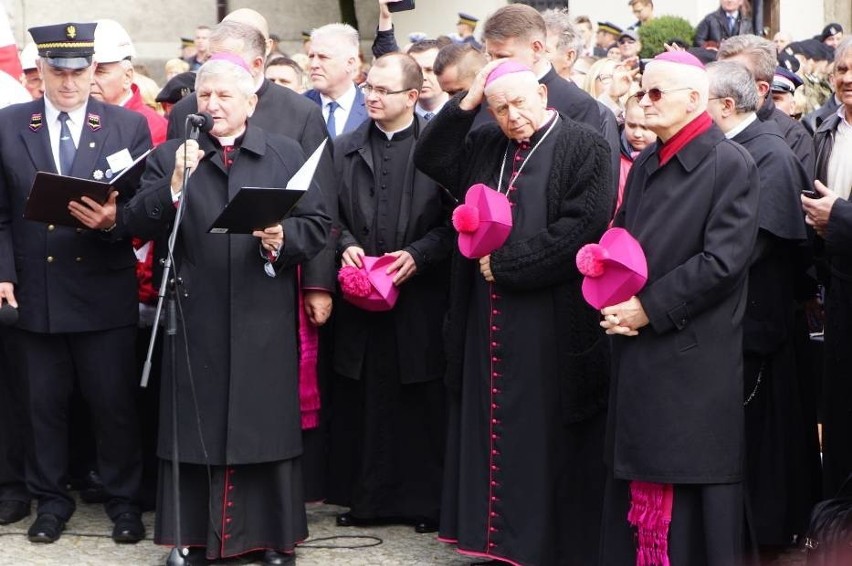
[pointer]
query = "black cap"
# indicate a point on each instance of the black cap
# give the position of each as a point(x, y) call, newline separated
point(67, 46)
point(785, 80)
point(177, 87)
point(788, 61)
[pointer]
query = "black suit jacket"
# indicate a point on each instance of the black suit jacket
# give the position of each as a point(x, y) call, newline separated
point(67, 280)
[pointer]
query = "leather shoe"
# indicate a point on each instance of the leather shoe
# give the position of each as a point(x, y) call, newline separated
point(128, 528)
point(46, 528)
point(13, 511)
point(425, 526)
point(275, 558)
point(347, 520)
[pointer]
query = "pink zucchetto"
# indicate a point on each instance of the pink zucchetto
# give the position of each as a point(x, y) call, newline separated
point(681, 58)
point(231, 58)
point(505, 68)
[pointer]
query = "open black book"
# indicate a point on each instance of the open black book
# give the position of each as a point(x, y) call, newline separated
point(51, 193)
point(256, 208)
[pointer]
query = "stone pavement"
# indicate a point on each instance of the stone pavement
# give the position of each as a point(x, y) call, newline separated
point(86, 542)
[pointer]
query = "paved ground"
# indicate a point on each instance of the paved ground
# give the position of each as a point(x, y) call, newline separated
point(86, 542)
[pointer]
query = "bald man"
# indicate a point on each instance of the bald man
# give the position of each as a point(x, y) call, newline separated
point(675, 429)
point(528, 364)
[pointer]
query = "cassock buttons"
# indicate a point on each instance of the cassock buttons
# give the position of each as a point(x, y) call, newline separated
point(50, 259)
point(78, 259)
point(51, 227)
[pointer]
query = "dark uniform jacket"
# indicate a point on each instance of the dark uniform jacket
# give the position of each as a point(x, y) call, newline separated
point(67, 279)
point(794, 132)
point(240, 323)
point(676, 407)
point(423, 230)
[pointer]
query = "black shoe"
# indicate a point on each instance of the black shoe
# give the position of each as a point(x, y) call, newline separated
point(347, 520)
point(92, 490)
point(13, 511)
point(426, 526)
point(275, 558)
point(128, 528)
point(46, 528)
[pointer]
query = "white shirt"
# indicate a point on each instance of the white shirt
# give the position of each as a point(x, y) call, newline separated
point(736, 130)
point(344, 108)
point(76, 119)
point(839, 165)
point(11, 91)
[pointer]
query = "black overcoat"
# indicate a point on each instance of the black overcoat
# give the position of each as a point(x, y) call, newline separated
point(676, 413)
point(423, 230)
point(240, 324)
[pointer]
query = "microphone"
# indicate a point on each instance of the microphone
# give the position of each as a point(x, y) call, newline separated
point(203, 122)
point(8, 315)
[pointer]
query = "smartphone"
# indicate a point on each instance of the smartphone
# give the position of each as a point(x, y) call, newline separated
point(810, 193)
point(401, 6)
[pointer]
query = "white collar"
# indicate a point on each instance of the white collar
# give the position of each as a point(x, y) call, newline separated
point(391, 133)
point(51, 112)
point(736, 130)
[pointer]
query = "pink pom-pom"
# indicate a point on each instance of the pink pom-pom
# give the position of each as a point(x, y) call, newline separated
point(590, 260)
point(354, 282)
point(466, 218)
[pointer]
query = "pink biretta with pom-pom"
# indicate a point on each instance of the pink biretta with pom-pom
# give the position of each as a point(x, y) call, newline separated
point(483, 221)
point(369, 287)
point(615, 269)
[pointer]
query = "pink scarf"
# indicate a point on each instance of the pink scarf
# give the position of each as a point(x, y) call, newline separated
point(651, 514)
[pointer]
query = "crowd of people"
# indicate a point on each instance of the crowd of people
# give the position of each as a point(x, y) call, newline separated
point(359, 351)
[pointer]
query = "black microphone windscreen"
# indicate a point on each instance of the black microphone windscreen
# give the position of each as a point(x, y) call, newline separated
point(8, 315)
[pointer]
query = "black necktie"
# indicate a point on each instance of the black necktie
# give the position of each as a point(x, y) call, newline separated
point(330, 124)
point(67, 149)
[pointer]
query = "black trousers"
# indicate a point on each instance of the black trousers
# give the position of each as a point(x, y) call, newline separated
point(14, 431)
point(102, 364)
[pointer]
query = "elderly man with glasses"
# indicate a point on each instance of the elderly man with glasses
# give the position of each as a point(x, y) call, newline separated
point(675, 430)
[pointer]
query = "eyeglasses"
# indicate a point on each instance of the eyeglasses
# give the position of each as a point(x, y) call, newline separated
point(380, 91)
point(655, 94)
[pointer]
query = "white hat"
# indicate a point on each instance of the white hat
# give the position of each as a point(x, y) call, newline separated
point(112, 42)
point(29, 56)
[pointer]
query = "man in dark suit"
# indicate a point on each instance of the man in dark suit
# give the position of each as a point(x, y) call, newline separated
point(75, 289)
point(729, 20)
point(334, 66)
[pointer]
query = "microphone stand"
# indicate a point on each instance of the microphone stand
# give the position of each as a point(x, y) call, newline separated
point(177, 556)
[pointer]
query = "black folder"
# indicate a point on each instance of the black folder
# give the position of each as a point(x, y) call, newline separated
point(51, 193)
point(255, 208)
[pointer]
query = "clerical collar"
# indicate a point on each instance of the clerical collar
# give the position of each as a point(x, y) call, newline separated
point(543, 129)
point(227, 141)
point(399, 134)
point(739, 128)
point(537, 138)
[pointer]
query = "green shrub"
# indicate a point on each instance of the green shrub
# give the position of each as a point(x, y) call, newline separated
point(658, 31)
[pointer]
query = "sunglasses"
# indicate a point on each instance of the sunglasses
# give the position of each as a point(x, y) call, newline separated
point(655, 94)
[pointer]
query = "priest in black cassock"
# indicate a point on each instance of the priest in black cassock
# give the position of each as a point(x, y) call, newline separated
point(236, 374)
point(387, 411)
point(779, 441)
point(528, 365)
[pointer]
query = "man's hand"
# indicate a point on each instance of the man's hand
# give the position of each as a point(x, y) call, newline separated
point(818, 210)
point(624, 318)
point(404, 266)
point(94, 215)
point(193, 156)
point(7, 293)
point(272, 238)
point(352, 256)
point(622, 78)
point(476, 94)
point(317, 306)
point(485, 268)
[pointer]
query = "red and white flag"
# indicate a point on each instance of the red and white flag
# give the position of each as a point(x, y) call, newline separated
point(9, 61)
